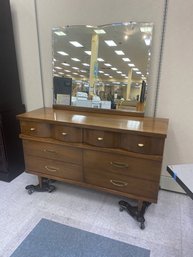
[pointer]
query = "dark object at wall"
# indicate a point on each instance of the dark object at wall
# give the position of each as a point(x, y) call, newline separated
point(143, 91)
point(11, 151)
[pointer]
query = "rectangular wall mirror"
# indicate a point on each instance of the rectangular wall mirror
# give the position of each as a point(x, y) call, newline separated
point(103, 67)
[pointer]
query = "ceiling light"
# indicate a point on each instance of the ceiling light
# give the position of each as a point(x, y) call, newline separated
point(110, 43)
point(89, 26)
point(119, 52)
point(62, 53)
point(61, 73)
point(147, 39)
point(146, 29)
point(67, 70)
point(76, 44)
point(131, 65)
point(59, 68)
point(75, 73)
point(65, 64)
point(60, 33)
point(101, 71)
point(75, 59)
point(88, 52)
point(85, 64)
point(106, 74)
point(113, 68)
point(135, 69)
point(108, 64)
point(126, 59)
point(100, 31)
point(138, 72)
point(100, 60)
point(118, 72)
point(83, 71)
point(75, 68)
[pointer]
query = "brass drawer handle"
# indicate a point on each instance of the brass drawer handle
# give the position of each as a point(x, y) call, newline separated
point(64, 134)
point(119, 164)
point(100, 138)
point(52, 169)
point(32, 129)
point(118, 183)
point(140, 145)
point(49, 151)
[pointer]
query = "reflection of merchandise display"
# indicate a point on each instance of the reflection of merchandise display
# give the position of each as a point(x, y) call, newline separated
point(62, 90)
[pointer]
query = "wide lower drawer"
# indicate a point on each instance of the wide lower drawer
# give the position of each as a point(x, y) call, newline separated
point(122, 165)
point(52, 151)
point(55, 168)
point(121, 183)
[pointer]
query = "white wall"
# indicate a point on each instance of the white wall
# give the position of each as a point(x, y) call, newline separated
point(176, 86)
point(177, 64)
point(24, 25)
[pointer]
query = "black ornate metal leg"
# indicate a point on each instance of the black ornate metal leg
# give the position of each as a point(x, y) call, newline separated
point(137, 212)
point(43, 186)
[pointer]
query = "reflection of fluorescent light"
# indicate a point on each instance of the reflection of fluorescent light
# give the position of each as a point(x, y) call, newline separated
point(62, 53)
point(67, 70)
point(76, 44)
point(89, 26)
point(126, 59)
point(131, 65)
point(146, 29)
point(60, 33)
point(118, 72)
point(83, 71)
point(110, 43)
point(88, 52)
point(75, 59)
point(119, 52)
point(113, 68)
point(85, 64)
point(135, 69)
point(101, 71)
point(100, 60)
point(78, 118)
point(138, 72)
point(147, 41)
point(65, 64)
point(59, 68)
point(61, 73)
point(75, 68)
point(100, 31)
point(75, 73)
point(108, 64)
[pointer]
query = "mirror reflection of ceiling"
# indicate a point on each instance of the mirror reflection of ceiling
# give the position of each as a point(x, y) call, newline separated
point(121, 46)
point(109, 61)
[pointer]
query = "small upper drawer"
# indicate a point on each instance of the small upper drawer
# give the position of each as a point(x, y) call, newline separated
point(32, 128)
point(142, 144)
point(67, 133)
point(101, 138)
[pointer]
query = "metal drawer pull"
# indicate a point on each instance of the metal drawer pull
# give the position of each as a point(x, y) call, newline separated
point(32, 129)
point(49, 151)
point(64, 133)
point(140, 145)
point(52, 169)
point(119, 164)
point(118, 183)
point(100, 138)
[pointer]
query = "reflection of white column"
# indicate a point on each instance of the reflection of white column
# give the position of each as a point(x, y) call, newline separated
point(93, 61)
point(129, 84)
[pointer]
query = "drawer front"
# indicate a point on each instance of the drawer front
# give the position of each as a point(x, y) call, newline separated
point(123, 165)
point(142, 144)
point(121, 183)
point(101, 138)
point(67, 134)
point(55, 168)
point(36, 129)
point(54, 152)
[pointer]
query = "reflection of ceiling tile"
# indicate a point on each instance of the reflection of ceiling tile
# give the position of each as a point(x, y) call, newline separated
point(126, 38)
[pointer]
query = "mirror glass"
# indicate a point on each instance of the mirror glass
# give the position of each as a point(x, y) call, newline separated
point(102, 66)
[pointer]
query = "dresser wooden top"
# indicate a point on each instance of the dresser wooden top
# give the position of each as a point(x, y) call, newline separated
point(140, 125)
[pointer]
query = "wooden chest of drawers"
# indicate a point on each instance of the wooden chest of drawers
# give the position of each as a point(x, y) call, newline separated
point(117, 154)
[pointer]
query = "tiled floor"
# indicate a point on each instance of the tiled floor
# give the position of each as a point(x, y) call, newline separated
point(169, 223)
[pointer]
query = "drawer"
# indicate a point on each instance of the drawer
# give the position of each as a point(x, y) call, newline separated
point(67, 134)
point(101, 138)
point(36, 129)
point(123, 165)
point(55, 168)
point(121, 183)
point(142, 144)
point(52, 151)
